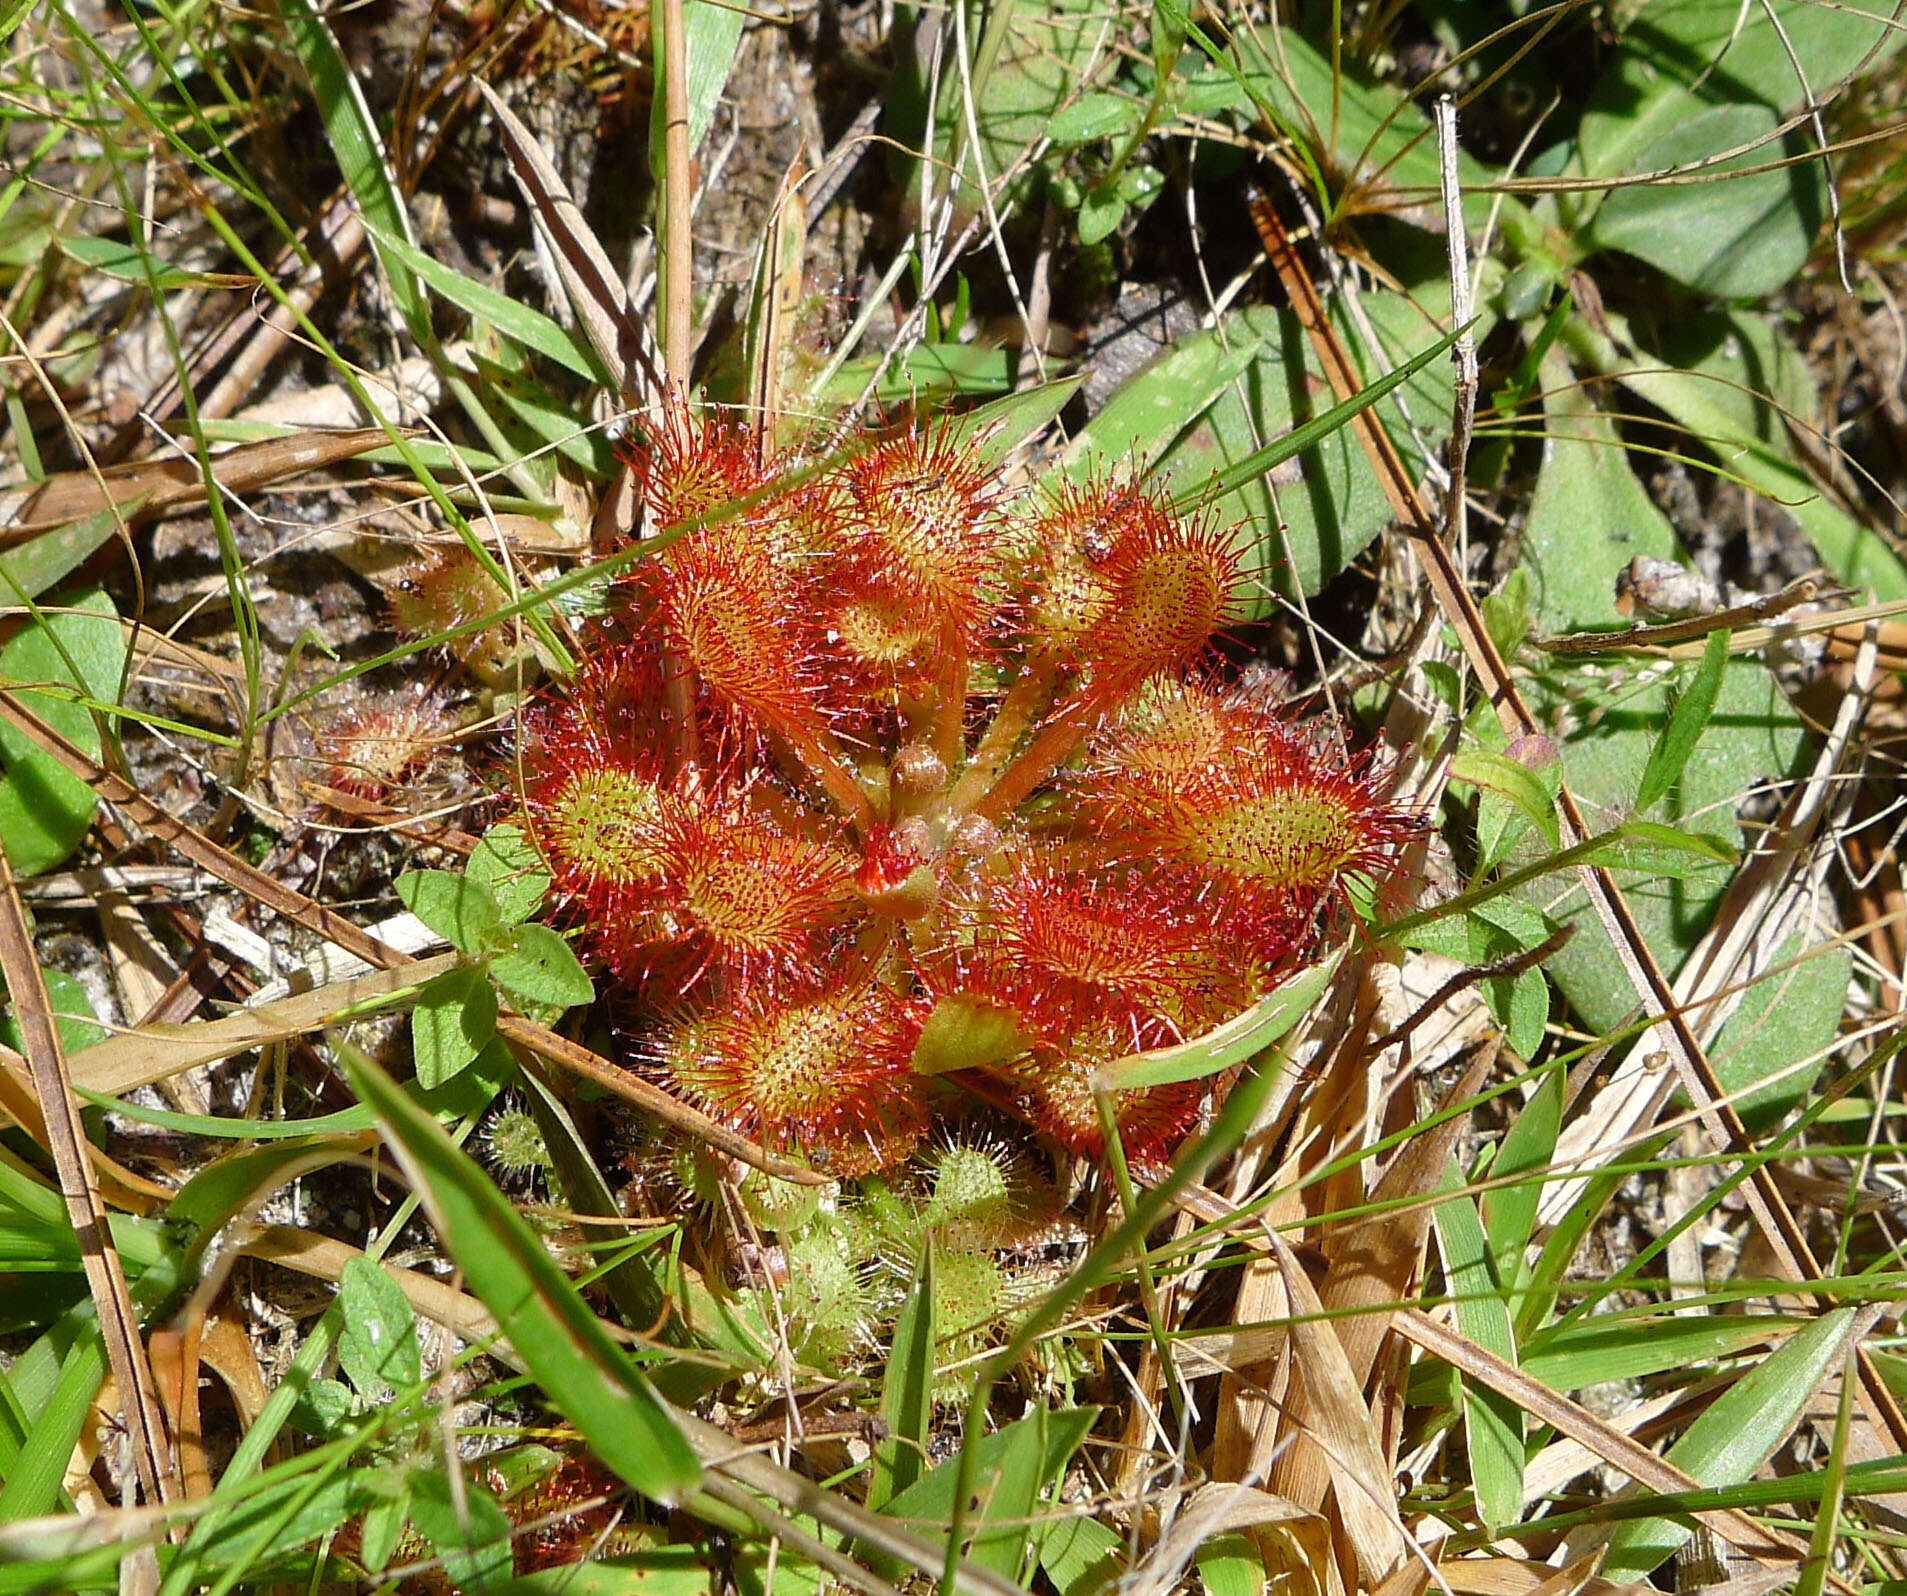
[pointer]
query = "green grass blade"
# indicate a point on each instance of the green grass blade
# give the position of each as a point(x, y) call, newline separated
point(1493, 1424)
point(1692, 712)
point(582, 1371)
point(360, 156)
point(1735, 1436)
point(907, 1391)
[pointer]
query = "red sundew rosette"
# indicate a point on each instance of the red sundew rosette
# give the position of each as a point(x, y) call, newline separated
point(819, 1069)
point(692, 467)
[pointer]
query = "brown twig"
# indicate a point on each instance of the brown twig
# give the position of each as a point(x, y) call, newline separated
point(677, 195)
point(66, 1140)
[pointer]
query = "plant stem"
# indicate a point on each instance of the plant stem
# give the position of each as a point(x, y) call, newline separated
point(818, 754)
point(1022, 702)
point(1059, 738)
point(677, 258)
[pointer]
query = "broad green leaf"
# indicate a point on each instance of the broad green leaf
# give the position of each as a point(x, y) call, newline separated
point(124, 260)
point(1733, 237)
point(30, 568)
point(73, 1015)
point(1228, 1044)
point(469, 1531)
point(1079, 1554)
point(1633, 1346)
point(962, 1032)
point(1009, 1494)
point(383, 1525)
point(1095, 116)
point(584, 1373)
point(1735, 1435)
point(907, 1390)
point(1589, 516)
point(1100, 214)
point(1493, 1425)
point(536, 966)
point(454, 1021)
point(1149, 410)
point(995, 429)
point(669, 1571)
point(1693, 708)
point(714, 33)
point(551, 422)
point(1715, 376)
point(1514, 780)
point(931, 374)
point(930, 1499)
point(1780, 1038)
point(458, 908)
point(378, 1348)
point(45, 810)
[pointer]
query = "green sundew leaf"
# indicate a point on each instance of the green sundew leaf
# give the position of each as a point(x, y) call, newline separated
point(1633, 1346)
point(45, 810)
point(585, 1374)
point(1095, 116)
point(32, 567)
point(1493, 1425)
point(1079, 1554)
point(72, 1015)
point(378, 1347)
point(1228, 1044)
point(1509, 1212)
point(1735, 1435)
point(530, 328)
point(472, 1536)
point(907, 1391)
point(1692, 711)
point(537, 966)
point(1498, 773)
point(359, 152)
point(454, 1021)
point(458, 908)
point(1100, 213)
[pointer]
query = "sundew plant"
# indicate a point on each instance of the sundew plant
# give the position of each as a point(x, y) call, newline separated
point(893, 774)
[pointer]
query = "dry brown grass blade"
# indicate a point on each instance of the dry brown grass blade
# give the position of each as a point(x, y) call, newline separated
point(118, 1185)
point(594, 287)
point(66, 1139)
point(1338, 1425)
point(1717, 1115)
point(1375, 1263)
point(150, 488)
point(1608, 1443)
point(151, 1053)
point(354, 939)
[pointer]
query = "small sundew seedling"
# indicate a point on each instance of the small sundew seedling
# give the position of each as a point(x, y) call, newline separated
point(890, 742)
